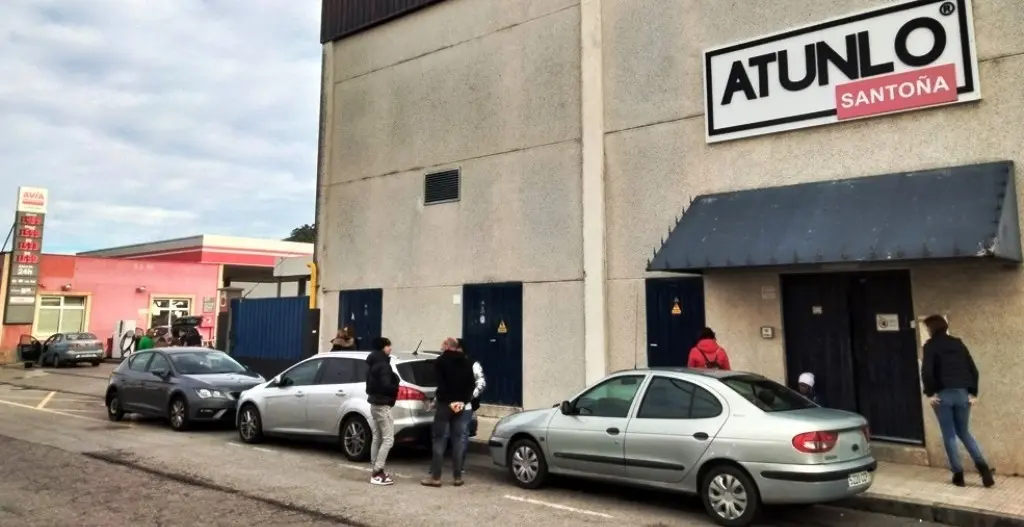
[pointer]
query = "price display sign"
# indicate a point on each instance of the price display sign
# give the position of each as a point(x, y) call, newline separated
point(23, 284)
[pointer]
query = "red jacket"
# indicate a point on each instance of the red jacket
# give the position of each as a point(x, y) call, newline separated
point(705, 351)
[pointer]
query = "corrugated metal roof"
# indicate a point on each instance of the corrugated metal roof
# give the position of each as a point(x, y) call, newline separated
point(342, 18)
point(961, 212)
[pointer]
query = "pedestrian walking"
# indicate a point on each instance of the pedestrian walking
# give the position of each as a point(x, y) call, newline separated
point(144, 341)
point(707, 353)
point(950, 380)
point(381, 393)
point(805, 385)
point(454, 394)
point(343, 341)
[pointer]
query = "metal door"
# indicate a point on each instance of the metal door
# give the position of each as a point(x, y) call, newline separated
point(361, 312)
point(885, 355)
point(675, 315)
point(816, 324)
point(492, 329)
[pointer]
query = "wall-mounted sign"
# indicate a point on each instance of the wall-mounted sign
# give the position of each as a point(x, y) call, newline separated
point(23, 282)
point(209, 304)
point(887, 322)
point(900, 57)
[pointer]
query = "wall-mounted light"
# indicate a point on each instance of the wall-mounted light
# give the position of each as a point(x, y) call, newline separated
point(65, 287)
point(140, 289)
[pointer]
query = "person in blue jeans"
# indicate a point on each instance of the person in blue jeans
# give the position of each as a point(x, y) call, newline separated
point(950, 380)
point(453, 395)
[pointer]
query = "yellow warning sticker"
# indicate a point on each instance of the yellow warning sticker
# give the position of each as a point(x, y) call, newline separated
point(501, 328)
point(676, 310)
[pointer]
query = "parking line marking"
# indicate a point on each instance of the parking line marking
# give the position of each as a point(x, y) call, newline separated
point(42, 404)
point(261, 449)
point(362, 468)
point(559, 507)
point(49, 411)
point(235, 444)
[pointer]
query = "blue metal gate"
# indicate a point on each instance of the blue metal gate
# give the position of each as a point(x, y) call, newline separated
point(267, 333)
point(361, 312)
point(492, 329)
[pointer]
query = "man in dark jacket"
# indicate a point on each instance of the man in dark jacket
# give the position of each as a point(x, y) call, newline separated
point(453, 397)
point(381, 393)
point(950, 380)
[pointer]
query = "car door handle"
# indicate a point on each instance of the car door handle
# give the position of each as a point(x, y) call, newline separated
point(613, 431)
point(299, 394)
point(700, 436)
point(339, 393)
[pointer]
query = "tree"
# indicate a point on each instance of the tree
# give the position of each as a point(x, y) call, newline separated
point(303, 233)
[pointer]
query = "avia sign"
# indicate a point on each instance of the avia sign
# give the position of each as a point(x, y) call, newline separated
point(31, 199)
point(900, 57)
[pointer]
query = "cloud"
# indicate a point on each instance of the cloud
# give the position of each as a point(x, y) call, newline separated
point(157, 119)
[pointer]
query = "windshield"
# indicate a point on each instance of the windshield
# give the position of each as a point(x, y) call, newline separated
point(200, 362)
point(80, 336)
point(767, 394)
point(420, 373)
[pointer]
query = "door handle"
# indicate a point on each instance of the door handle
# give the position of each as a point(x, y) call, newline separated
point(299, 394)
point(700, 436)
point(613, 431)
point(339, 393)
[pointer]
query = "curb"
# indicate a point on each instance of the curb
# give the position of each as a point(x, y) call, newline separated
point(934, 512)
point(479, 446)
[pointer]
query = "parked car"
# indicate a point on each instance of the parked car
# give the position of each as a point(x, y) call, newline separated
point(184, 385)
point(70, 349)
point(323, 398)
point(738, 440)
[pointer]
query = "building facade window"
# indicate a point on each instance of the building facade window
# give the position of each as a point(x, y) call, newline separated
point(165, 311)
point(60, 314)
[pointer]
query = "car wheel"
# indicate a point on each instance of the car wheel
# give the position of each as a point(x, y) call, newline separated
point(96, 364)
point(114, 411)
point(250, 427)
point(178, 414)
point(526, 464)
point(355, 438)
point(730, 497)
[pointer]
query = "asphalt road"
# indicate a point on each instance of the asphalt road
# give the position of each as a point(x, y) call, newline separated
point(71, 466)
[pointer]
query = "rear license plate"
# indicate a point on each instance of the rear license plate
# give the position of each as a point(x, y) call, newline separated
point(858, 479)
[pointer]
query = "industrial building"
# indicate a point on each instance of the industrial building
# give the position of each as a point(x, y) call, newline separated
point(578, 186)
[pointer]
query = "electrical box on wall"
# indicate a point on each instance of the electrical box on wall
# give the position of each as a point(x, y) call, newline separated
point(767, 332)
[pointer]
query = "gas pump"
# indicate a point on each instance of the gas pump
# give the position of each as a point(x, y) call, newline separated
point(123, 341)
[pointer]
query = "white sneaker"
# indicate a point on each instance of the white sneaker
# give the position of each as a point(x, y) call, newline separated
point(381, 479)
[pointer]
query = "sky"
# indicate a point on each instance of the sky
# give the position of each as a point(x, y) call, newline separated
point(149, 120)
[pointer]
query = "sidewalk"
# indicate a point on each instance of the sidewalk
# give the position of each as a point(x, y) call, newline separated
point(911, 491)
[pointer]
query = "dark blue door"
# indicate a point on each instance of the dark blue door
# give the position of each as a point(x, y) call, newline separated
point(361, 312)
point(492, 329)
point(675, 315)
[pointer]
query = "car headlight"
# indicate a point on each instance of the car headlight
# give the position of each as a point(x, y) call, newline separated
point(208, 394)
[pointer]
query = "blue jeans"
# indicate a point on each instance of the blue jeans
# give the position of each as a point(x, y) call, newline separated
point(449, 424)
point(954, 415)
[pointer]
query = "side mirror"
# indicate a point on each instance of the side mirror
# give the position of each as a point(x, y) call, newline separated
point(163, 374)
point(566, 408)
point(284, 382)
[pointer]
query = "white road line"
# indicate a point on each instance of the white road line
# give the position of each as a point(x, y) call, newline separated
point(49, 411)
point(559, 507)
point(363, 468)
point(264, 449)
point(235, 444)
point(42, 404)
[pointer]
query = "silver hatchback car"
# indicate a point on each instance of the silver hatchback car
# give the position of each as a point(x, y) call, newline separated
point(324, 398)
point(739, 440)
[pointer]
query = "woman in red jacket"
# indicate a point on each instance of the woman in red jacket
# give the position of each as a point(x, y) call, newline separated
point(707, 353)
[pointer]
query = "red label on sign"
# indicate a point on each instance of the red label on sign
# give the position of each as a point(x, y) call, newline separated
point(31, 219)
point(206, 322)
point(27, 258)
point(28, 245)
point(901, 91)
point(28, 232)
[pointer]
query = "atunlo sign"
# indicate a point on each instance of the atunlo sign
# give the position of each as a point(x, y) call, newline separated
point(23, 281)
point(911, 55)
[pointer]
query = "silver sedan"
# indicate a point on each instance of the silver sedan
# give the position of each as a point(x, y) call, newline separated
point(738, 440)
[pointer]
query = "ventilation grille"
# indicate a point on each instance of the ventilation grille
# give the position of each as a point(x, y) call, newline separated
point(441, 187)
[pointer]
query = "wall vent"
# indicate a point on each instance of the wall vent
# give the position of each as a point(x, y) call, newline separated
point(441, 187)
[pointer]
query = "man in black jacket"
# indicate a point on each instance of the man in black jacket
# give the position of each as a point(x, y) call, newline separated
point(950, 380)
point(381, 393)
point(454, 394)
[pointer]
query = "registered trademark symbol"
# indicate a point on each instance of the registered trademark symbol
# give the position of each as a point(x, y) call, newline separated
point(947, 8)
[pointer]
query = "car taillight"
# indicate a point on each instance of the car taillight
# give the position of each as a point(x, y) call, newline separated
point(406, 393)
point(815, 442)
point(866, 430)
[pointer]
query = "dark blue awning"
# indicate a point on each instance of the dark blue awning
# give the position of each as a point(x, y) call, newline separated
point(967, 212)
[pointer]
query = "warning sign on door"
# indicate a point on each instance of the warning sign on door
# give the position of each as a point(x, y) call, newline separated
point(887, 322)
point(501, 328)
point(676, 310)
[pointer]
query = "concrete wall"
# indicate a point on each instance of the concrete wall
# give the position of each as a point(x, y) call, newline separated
point(268, 289)
point(657, 160)
point(493, 88)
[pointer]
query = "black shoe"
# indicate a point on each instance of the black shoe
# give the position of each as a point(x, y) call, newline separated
point(986, 476)
point(958, 479)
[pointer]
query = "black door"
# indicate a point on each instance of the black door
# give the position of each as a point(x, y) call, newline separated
point(361, 312)
point(816, 325)
point(675, 315)
point(492, 329)
point(853, 332)
point(885, 355)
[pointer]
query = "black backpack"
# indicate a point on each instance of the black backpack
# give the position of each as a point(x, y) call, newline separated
point(710, 364)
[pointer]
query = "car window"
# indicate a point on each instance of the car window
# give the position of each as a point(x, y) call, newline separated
point(158, 363)
point(340, 371)
point(138, 361)
point(80, 336)
point(418, 372)
point(205, 362)
point(668, 398)
point(767, 394)
point(304, 374)
point(612, 398)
